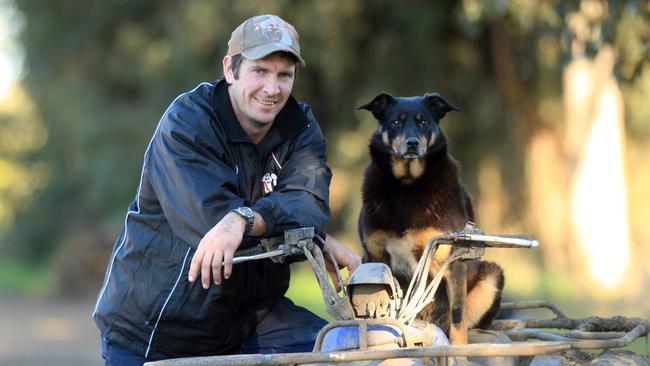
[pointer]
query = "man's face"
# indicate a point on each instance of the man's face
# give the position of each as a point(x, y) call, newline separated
point(261, 90)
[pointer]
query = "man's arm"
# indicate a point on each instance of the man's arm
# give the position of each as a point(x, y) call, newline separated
point(345, 258)
point(300, 199)
point(219, 245)
point(301, 196)
point(195, 188)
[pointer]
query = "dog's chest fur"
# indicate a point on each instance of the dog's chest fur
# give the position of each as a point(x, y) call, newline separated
point(399, 219)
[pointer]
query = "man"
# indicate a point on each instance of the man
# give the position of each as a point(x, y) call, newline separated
point(229, 162)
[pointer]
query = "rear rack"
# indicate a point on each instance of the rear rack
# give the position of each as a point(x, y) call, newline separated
point(587, 333)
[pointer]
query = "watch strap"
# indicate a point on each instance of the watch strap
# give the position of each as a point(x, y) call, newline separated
point(248, 215)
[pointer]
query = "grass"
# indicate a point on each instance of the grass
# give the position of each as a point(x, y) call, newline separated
point(304, 290)
point(25, 279)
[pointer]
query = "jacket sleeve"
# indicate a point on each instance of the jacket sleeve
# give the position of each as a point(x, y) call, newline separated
point(301, 196)
point(194, 187)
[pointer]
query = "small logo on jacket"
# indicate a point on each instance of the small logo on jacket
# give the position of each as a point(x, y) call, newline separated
point(269, 181)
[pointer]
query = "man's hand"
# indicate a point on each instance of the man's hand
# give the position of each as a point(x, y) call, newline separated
point(345, 258)
point(217, 246)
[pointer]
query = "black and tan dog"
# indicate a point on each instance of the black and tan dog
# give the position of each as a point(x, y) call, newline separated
point(412, 192)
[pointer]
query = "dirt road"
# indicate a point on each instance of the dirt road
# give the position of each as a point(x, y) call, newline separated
point(48, 332)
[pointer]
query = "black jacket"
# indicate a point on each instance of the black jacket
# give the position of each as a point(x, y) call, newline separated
point(199, 165)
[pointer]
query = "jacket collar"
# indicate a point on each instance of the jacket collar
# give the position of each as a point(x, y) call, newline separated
point(289, 122)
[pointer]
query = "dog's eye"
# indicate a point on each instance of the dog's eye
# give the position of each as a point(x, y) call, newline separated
point(396, 123)
point(424, 123)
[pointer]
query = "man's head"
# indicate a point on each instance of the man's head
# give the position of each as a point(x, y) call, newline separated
point(260, 67)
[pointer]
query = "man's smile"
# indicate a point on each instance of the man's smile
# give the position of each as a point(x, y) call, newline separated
point(266, 102)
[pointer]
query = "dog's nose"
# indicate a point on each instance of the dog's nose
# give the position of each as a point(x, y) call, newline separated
point(412, 142)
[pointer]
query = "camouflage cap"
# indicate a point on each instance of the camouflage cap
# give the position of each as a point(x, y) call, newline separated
point(262, 35)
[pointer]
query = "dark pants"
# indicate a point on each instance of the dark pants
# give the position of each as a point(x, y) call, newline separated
point(116, 355)
point(286, 328)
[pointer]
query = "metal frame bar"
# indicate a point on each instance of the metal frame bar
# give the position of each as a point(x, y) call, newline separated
point(586, 333)
point(470, 350)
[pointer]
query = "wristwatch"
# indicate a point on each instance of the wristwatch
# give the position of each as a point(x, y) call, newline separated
point(248, 215)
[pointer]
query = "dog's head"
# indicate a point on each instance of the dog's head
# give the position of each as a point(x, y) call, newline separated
point(409, 130)
point(410, 127)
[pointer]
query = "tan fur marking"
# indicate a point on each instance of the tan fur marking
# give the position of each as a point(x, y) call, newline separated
point(399, 144)
point(443, 252)
point(422, 145)
point(480, 299)
point(399, 249)
point(457, 293)
point(422, 236)
point(376, 242)
point(384, 138)
point(407, 170)
point(402, 259)
point(417, 168)
point(432, 139)
point(400, 169)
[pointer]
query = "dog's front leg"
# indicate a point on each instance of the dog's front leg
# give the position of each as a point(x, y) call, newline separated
point(457, 292)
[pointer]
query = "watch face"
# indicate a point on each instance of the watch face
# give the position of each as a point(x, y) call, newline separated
point(245, 211)
point(248, 214)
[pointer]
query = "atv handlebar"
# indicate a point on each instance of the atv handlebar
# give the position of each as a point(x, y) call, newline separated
point(301, 244)
point(291, 244)
point(464, 239)
point(246, 258)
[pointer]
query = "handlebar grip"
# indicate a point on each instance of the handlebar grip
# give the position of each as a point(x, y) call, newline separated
point(504, 241)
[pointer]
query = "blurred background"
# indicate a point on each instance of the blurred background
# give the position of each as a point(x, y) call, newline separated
point(553, 137)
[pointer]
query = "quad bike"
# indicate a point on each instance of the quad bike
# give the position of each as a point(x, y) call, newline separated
point(375, 321)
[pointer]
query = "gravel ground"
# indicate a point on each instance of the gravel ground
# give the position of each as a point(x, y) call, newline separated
point(48, 332)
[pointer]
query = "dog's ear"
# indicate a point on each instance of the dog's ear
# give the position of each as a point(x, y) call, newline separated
point(438, 105)
point(378, 105)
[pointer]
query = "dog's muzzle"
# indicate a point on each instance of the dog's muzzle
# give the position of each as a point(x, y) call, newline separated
point(411, 149)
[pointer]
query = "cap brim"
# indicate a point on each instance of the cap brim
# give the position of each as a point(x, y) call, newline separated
point(263, 50)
